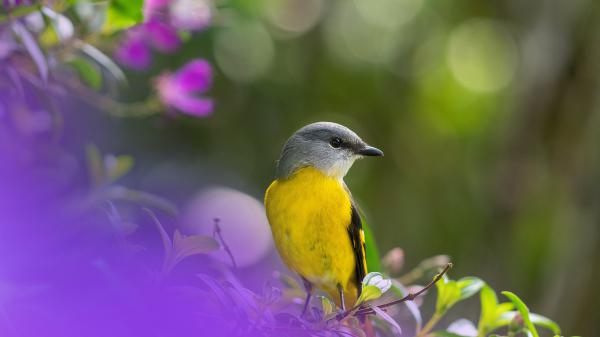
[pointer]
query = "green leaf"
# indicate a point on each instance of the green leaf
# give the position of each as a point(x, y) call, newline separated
point(95, 166)
point(166, 240)
point(445, 333)
point(122, 14)
point(489, 303)
point(117, 166)
point(523, 310)
point(218, 291)
point(104, 61)
point(374, 285)
point(369, 293)
point(506, 317)
point(288, 281)
point(493, 314)
point(114, 192)
point(88, 72)
point(448, 294)
point(327, 305)
point(185, 246)
point(469, 286)
point(545, 322)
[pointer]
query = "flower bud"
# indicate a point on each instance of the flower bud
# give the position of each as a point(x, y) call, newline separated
point(377, 280)
point(394, 260)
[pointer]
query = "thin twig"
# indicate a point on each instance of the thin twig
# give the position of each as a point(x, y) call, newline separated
point(360, 310)
point(217, 235)
point(410, 296)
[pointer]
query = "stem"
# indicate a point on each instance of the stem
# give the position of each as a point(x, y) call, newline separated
point(115, 108)
point(430, 324)
point(19, 12)
point(410, 296)
point(217, 234)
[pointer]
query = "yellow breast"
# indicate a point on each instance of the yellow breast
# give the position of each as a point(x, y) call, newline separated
point(309, 215)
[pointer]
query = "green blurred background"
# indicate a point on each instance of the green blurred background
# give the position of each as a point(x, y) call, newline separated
point(488, 113)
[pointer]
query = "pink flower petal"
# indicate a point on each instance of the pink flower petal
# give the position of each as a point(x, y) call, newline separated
point(194, 106)
point(172, 95)
point(195, 76)
point(161, 36)
point(134, 53)
point(152, 8)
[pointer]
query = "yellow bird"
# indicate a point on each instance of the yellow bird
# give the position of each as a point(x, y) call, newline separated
point(315, 223)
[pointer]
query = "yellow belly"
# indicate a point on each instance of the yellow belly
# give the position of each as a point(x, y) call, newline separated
point(309, 215)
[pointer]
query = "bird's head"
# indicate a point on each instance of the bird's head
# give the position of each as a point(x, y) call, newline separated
point(329, 147)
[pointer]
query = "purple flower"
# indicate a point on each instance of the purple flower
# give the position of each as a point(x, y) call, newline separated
point(178, 90)
point(134, 52)
point(161, 36)
point(153, 8)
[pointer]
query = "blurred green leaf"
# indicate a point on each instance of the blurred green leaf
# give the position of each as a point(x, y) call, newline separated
point(371, 250)
point(95, 164)
point(238, 291)
point(181, 246)
point(185, 246)
point(469, 286)
point(140, 197)
point(218, 291)
point(491, 311)
point(506, 317)
point(104, 61)
point(489, 303)
point(48, 37)
point(117, 166)
point(166, 240)
point(448, 294)
point(523, 310)
point(326, 305)
point(444, 333)
point(545, 322)
point(122, 14)
point(288, 281)
point(88, 72)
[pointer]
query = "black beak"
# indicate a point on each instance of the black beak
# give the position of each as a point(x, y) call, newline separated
point(370, 151)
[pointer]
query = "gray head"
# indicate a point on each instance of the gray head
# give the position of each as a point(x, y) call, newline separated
point(332, 148)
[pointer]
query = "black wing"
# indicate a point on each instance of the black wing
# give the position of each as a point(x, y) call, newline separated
point(357, 237)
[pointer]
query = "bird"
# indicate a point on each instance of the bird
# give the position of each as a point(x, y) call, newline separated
point(314, 220)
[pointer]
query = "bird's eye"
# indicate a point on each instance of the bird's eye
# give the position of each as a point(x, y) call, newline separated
point(335, 142)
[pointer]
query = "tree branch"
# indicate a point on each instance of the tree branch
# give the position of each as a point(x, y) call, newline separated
point(410, 296)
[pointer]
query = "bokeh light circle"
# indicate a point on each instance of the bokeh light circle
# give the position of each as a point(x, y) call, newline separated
point(244, 52)
point(388, 13)
point(482, 55)
point(243, 222)
point(294, 17)
point(353, 40)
